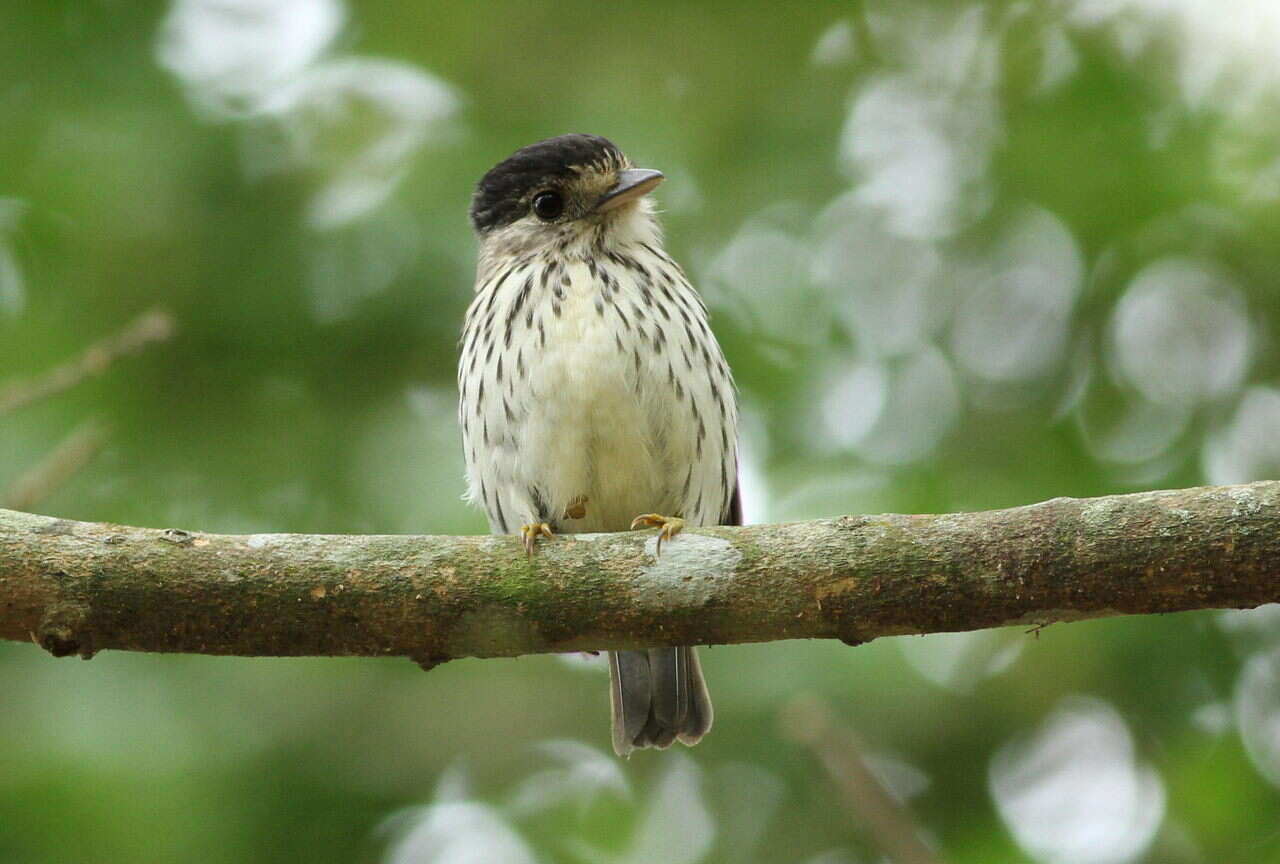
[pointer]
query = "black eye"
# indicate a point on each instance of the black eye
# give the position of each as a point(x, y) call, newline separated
point(548, 205)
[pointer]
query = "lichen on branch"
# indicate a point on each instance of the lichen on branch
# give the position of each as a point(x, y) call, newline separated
point(79, 587)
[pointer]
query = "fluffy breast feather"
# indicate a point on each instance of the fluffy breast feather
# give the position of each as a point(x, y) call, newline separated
point(595, 379)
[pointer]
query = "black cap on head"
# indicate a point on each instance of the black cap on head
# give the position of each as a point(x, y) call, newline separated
point(500, 196)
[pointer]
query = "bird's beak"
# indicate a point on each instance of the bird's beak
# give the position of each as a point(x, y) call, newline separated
point(632, 183)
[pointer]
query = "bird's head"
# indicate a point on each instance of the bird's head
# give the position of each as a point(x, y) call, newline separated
point(564, 193)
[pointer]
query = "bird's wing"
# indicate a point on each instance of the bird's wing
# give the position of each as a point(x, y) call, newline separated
point(733, 515)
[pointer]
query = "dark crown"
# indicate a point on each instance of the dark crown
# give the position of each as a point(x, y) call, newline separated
point(501, 195)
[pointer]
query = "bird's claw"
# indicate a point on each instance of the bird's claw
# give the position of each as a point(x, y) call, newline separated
point(670, 525)
point(531, 532)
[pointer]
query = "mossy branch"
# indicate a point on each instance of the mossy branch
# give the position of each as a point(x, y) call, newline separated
point(77, 587)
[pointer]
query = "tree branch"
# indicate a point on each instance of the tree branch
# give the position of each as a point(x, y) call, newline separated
point(886, 818)
point(153, 326)
point(76, 587)
point(71, 455)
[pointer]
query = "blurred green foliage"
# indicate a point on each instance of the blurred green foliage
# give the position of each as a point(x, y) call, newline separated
point(876, 199)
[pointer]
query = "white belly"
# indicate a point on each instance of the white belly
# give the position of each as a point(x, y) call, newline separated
point(588, 432)
point(604, 389)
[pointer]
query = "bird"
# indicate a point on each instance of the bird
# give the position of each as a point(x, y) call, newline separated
point(593, 395)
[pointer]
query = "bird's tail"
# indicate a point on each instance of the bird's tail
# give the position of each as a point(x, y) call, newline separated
point(657, 696)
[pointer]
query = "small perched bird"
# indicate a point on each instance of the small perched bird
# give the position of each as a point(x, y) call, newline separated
point(593, 395)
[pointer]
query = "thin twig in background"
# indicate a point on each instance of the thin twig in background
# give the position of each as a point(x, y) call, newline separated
point(156, 325)
point(837, 748)
point(41, 480)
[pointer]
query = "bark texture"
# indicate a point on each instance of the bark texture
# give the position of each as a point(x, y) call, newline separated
point(77, 587)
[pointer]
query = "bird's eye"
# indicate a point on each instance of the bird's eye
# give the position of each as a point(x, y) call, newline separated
point(548, 205)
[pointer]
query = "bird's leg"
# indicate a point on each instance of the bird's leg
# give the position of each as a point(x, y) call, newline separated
point(670, 525)
point(577, 508)
point(531, 532)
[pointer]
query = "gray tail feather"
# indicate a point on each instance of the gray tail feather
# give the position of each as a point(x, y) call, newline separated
point(657, 696)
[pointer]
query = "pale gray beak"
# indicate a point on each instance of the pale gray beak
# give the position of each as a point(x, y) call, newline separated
point(632, 183)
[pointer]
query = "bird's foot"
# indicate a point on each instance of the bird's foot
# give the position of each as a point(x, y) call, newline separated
point(577, 508)
point(670, 525)
point(531, 532)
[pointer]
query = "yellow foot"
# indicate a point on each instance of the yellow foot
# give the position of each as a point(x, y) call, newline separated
point(670, 525)
point(577, 508)
point(531, 532)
